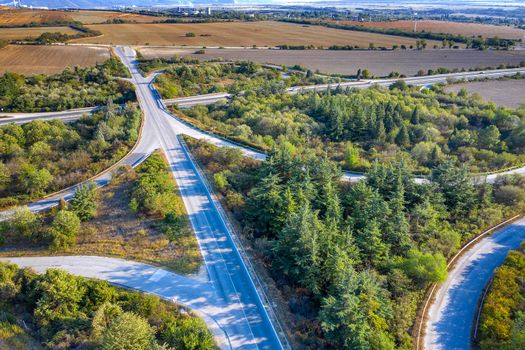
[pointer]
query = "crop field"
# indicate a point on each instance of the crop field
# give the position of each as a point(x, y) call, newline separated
point(466, 29)
point(235, 34)
point(31, 32)
point(31, 59)
point(16, 17)
point(508, 93)
point(379, 63)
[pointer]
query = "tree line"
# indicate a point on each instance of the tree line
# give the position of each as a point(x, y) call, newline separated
point(357, 127)
point(73, 88)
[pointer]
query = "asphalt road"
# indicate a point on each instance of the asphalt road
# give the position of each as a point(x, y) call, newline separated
point(453, 312)
point(242, 316)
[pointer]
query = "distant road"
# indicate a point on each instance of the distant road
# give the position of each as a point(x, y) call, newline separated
point(453, 312)
point(21, 118)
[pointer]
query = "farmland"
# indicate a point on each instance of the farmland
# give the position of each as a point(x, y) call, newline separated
point(456, 28)
point(239, 34)
point(507, 93)
point(31, 59)
point(31, 32)
point(379, 63)
point(18, 17)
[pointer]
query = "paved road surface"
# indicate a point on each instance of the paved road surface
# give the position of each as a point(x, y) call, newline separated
point(451, 316)
point(244, 318)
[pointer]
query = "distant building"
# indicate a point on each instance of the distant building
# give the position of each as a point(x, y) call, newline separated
point(208, 11)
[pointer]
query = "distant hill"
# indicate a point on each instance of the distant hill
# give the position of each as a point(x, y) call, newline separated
point(104, 4)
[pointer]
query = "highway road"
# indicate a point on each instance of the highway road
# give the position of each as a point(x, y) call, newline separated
point(453, 312)
point(243, 316)
point(21, 118)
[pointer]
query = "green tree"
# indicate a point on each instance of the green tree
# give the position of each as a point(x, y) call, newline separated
point(84, 202)
point(129, 332)
point(34, 181)
point(64, 229)
point(187, 333)
point(25, 223)
point(425, 267)
point(402, 137)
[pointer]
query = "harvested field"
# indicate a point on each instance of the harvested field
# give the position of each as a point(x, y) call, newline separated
point(380, 63)
point(32, 32)
point(32, 59)
point(16, 17)
point(508, 93)
point(466, 29)
point(235, 34)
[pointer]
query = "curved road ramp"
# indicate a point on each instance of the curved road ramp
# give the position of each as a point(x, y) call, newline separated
point(452, 316)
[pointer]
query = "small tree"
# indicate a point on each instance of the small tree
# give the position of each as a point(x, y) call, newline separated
point(25, 222)
point(64, 229)
point(84, 203)
point(129, 332)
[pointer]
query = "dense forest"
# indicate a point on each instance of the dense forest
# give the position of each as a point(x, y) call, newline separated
point(184, 77)
point(424, 128)
point(62, 311)
point(503, 314)
point(45, 156)
point(353, 260)
point(80, 87)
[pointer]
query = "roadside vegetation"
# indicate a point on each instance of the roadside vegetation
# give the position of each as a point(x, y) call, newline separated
point(503, 315)
point(62, 311)
point(352, 278)
point(139, 216)
point(41, 157)
point(424, 128)
point(73, 88)
point(187, 77)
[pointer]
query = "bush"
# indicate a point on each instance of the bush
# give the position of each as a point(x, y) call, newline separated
point(64, 229)
point(129, 332)
point(84, 202)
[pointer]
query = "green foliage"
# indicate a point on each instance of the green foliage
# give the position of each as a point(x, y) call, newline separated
point(64, 229)
point(25, 223)
point(45, 156)
point(84, 202)
point(128, 332)
point(502, 323)
point(68, 312)
point(425, 128)
point(353, 258)
point(80, 87)
point(186, 333)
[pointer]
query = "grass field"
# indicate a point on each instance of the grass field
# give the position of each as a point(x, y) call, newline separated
point(31, 59)
point(508, 93)
point(466, 29)
point(238, 34)
point(32, 32)
point(380, 63)
point(14, 17)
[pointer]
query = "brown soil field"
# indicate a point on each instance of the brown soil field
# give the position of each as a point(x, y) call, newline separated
point(466, 29)
point(32, 32)
point(238, 34)
point(10, 16)
point(508, 93)
point(379, 63)
point(31, 59)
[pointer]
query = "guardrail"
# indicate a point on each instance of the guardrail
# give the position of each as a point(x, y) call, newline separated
point(259, 288)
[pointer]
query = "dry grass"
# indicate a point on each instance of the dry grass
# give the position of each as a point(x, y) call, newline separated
point(118, 232)
point(508, 93)
point(31, 59)
point(14, 17)
point(31, 32)
point(466, 29)
point(380, 63)
point(235, 34)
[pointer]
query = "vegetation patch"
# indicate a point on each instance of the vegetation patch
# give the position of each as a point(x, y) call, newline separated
point(42, 157)
point(359, 126)
point(73, 88)
point(62, 311)
point(503, 315)
point(139, 216)
point(348, 277)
